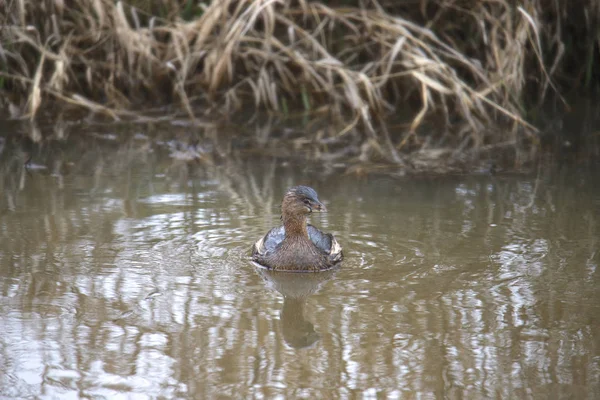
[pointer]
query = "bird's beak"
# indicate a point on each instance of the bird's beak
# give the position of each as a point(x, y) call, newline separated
point(317, 205)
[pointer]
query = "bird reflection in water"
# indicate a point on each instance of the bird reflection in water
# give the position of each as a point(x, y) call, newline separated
point(296, 288)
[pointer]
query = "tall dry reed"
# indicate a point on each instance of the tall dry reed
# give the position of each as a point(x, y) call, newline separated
point(466, 63)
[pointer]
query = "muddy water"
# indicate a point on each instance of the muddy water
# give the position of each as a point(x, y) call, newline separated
point(124, 274)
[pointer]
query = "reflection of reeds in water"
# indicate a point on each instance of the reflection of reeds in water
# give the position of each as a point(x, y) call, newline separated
point(295, 288)
point(454, 321)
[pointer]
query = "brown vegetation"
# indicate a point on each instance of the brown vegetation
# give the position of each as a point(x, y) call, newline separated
point(463, 65)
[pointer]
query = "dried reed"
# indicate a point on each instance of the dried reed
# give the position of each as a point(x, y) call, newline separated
point(467, 63)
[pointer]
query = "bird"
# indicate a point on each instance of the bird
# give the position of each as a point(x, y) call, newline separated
point(297, 246)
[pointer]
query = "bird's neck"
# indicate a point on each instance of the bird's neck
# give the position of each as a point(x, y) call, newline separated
point(295, 226)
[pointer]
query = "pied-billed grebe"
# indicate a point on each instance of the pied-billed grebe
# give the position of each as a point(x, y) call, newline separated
point(296, 246)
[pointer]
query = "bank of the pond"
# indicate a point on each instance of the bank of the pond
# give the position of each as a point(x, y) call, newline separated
point(65, 144)
point(460, 78)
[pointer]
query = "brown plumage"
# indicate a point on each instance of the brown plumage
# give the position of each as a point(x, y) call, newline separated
point(297, 246)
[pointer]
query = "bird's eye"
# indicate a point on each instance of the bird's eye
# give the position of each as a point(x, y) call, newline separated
point(307, 202)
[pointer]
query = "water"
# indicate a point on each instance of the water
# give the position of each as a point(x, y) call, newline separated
point(125, 274)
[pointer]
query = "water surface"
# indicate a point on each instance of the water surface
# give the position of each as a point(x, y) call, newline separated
point(124, 273)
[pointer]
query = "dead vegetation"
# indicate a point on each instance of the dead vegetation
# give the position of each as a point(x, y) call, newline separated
point(463, 65)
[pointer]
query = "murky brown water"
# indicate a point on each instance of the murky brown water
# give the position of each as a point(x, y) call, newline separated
point(125, 274)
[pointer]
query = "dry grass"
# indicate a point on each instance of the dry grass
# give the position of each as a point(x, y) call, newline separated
point(467, 64)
